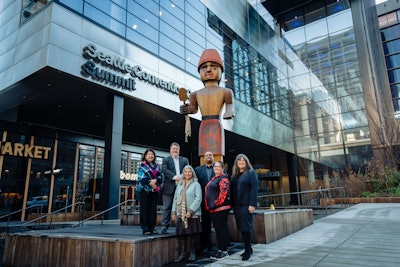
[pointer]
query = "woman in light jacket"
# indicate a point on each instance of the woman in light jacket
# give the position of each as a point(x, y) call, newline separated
point(186, 212)
point(244, 186)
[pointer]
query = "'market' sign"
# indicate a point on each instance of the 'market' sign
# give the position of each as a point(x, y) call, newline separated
point(97, 57)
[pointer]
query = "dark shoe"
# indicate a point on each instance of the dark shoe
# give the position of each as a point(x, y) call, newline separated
point(181, 257)
point(192, 257)
point(164, 231)
point(251, 252)
point(154, 232)
point(246, 256)
point(219, 255)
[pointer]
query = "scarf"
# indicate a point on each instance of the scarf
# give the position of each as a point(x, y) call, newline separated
point(182, 203)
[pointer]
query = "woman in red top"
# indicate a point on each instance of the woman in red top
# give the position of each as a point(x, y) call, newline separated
point(217, 203)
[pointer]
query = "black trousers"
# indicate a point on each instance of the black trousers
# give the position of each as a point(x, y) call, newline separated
point(148, 210)
point(220, 222)
point(205, 236)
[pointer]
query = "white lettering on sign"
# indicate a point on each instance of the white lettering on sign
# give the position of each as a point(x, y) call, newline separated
point(128, 176)
point(117, 63)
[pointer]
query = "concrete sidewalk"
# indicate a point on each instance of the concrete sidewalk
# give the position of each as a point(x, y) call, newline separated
point(361, 235)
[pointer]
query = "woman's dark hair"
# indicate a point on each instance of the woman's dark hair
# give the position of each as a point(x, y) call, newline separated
point(147, 151)
point(235, 169)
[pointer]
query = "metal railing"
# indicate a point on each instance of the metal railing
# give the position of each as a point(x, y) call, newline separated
point(101, 213)
point(39, 219)
point(39, 208)
point(304, 199)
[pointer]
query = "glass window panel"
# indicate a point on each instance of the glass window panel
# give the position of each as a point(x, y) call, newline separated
point(110, 9)
point(394, 76)
point(191, 67)
point(385, 34)
point(194, 47)
point(195, 26)
point(194, 36)
point(144, 14)
point(214, 40)
point(173, 21)
point(171, 45)
point(382, 21)
point(393, 61)
point(121, 3)
point(171, 7)
point(64, 181)
point(336, 6)
point(101, 18)
point(340, 21)
point(353, 119)
point(193, 14)
point(314, 11)
point(145, 42)
point(143, 6)
point(392, 18)
point(173, 58)
point(395, 89)
point(124, 161)
point(192, 58)
point(293, 20)
point(394, 31)
point(170, 31)
point(141, 28)
point(296, 36)
point(76, 5)
point(393, 46)
point(396, 104)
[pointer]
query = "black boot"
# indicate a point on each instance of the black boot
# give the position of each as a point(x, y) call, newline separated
point(182, 249)
point(247, 245)
point(192, 248)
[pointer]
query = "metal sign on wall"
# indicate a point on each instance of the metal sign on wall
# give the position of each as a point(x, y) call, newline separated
point(117, 64)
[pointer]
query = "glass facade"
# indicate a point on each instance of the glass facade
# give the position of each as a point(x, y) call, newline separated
point(389, 25)
point(331, 109)
point(52, 174)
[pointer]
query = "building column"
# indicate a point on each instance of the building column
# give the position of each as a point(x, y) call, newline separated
point(292, 171)
point(310, 172)
point(112, 155)
point(326, 178)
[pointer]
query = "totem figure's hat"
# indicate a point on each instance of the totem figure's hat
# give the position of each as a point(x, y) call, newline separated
point(210, 55)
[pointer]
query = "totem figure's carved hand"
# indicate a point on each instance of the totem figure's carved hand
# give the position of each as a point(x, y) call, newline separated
point(184, 109)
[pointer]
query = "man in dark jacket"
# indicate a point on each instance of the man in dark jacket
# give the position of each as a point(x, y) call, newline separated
point(204, 173)
point(172, 167)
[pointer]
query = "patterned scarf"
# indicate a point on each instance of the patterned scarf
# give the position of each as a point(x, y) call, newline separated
point(182, 203)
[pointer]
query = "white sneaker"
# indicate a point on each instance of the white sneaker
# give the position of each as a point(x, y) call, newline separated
point(219, 255)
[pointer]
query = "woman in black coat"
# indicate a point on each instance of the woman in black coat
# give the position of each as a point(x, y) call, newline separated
point(244, 183)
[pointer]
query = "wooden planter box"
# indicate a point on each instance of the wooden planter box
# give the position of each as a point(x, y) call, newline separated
point(268, 225)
